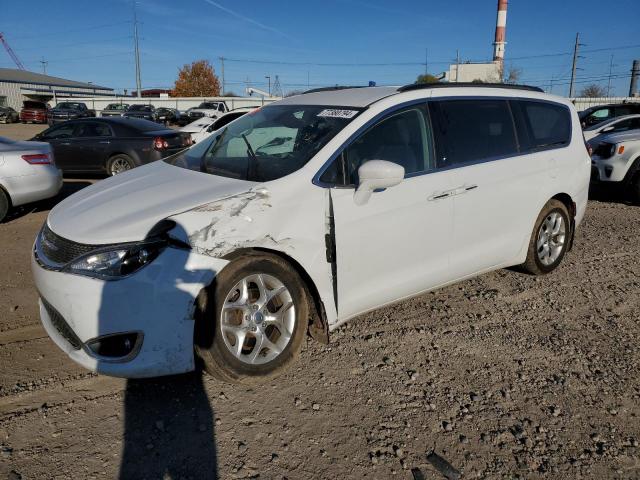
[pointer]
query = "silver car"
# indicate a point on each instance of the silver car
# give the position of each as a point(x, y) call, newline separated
point(27, 173)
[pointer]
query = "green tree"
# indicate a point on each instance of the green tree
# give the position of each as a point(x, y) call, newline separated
point(427, 78)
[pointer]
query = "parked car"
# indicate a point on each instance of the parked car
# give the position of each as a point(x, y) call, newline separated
point(168, 116)
point(146, 112)
point(216, 124)
point(114, 110)
point(198, 125)
point(111, 145)
point(594, 115)
point(613, 125)
point(34, 112)
point(208, 109)
point(302, 215)
point(65, 111)
point(8, 115)
point(183, 118)
point(27, 174)
point(616, 162)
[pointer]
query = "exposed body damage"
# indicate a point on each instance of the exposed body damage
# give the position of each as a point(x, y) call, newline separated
point(247, 220)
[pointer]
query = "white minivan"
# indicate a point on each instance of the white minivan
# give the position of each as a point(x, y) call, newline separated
point(302, 215)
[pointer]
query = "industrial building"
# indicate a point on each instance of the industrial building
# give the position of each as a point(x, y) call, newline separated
point(16, 86)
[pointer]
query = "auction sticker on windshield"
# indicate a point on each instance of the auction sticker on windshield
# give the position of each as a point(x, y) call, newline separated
point(329, 112)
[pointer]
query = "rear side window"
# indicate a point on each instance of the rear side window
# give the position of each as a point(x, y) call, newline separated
point(542, 125)
point(472, 130)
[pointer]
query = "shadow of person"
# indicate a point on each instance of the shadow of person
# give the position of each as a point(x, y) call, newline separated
point(168, 421)
point(169, 430)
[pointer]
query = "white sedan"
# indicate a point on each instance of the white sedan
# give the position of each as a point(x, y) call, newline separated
point(202, 128)
point(27, 173)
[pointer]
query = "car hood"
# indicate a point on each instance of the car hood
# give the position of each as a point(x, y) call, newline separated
point(124, 208)
point(620, 137)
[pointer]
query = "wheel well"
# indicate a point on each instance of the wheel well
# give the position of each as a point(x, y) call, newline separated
point(318, 316)
point(568, 202)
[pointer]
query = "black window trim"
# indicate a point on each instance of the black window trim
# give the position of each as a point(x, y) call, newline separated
point(426, 100)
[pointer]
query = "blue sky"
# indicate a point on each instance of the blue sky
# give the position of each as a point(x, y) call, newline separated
point(319, 43)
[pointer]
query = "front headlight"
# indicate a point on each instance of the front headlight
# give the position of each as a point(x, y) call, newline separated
point(117, 261)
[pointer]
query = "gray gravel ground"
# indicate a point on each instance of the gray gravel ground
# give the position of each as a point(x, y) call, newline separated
point(504, 376)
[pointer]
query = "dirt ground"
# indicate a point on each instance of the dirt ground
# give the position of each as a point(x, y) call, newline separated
point(504, 376)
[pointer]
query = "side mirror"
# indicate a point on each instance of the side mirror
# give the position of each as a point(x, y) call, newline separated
point(376, 174)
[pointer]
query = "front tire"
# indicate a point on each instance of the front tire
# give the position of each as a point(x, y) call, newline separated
point(550, 239)
point(255, 320)
point(119, 163)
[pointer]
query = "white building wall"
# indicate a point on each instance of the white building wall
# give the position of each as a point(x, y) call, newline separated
point(15, 93)
point(468, 72)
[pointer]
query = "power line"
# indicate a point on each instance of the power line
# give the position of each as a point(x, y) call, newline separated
point(64, 32)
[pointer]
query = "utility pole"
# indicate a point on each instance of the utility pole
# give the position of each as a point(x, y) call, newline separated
point(222, 73)
point(635, 74)
point(44, 65)
point(137, 48)
point(457, 66)
point(572, 90)
point(611, 65)
point(426, 61)
point(268, 78)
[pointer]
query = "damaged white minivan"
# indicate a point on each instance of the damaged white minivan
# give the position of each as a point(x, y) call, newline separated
point(302, 215)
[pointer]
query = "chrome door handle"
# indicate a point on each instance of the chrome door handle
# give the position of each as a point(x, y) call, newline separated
point(105, 141)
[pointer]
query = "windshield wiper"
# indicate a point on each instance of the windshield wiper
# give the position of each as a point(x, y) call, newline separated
point(251, 170)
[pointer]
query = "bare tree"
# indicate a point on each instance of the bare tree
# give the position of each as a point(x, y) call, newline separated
point(593, 91)
point(513, 75)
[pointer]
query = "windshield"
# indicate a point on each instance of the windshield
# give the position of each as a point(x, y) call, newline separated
point(117, 106)
point(267, 143)
point(140, 108)
point(208, 105)
point(68, 106)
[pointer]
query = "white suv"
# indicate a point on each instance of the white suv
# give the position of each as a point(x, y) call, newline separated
point(616, 161)
point(302, 215)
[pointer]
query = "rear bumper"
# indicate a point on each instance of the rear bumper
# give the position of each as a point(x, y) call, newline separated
point(45, 182)
point(157, 301)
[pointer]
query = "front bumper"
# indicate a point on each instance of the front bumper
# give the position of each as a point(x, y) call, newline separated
point(158, 301)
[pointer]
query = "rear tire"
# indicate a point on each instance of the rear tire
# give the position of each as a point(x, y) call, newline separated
point(549, 240)
point(5, 204)
point(255, 320)
point(119, 163)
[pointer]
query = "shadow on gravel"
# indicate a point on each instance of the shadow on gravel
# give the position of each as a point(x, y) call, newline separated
point(169, 430)
point(607, 194)
point(68, 188)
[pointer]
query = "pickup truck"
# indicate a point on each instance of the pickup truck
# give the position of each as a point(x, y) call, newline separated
point(208, 109)
point(69, 111)
point(34, 112)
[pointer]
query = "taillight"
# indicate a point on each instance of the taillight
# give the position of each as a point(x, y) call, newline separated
point(160, 143)
point(37, 159)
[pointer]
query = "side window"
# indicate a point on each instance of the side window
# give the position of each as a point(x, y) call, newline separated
point(403, 138)
point(472, 130)
point(61, 131)
point(621, 111)
point(542, 125)
point(622, 126)
point(91, 129)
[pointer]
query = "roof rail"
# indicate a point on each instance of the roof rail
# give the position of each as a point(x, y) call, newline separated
point(335, 87)
point(420, 86)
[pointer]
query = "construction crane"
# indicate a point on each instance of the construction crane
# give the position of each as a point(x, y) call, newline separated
point(11, 53)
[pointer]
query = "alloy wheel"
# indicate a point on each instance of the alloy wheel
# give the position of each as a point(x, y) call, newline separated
point(119, 165)
point(258, 319)
point(551, 238)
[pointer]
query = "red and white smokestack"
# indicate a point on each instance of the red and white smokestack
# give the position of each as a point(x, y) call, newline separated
point(501, 26)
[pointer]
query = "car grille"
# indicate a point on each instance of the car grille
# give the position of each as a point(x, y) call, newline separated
point(61, 325)
point(60, 250)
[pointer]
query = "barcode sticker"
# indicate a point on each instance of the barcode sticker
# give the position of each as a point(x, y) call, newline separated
point(333, 113)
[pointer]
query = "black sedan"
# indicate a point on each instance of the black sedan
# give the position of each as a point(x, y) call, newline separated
point(146, 112)
point(110, 145)
point(168, 116)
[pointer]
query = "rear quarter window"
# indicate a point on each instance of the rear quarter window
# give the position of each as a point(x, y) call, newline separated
point(541, 125)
